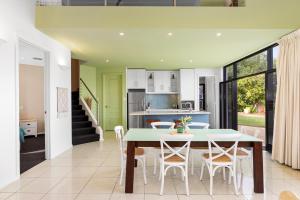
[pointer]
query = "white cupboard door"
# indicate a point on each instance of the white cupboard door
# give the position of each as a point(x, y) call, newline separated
point(162, 83)
point(136, 79)
point(187, 85)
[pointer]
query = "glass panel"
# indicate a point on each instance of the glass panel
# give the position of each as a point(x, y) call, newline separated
point(229, 72)
point(275, 56)
point(251, 106)
point(226, 107)
point(270, 108)
point(255, 64)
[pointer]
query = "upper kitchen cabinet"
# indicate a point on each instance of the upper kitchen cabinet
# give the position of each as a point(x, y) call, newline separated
point(162, 82)
point(187, 85)
point(136, 79)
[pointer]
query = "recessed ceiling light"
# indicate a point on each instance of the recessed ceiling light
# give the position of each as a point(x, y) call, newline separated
point(191, 61)
point(170, 34)
point(121, 34)
point(107, 60)
point(161, 60)
point(219, 34)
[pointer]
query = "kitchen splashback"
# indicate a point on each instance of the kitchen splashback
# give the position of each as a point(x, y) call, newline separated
point(162, 101)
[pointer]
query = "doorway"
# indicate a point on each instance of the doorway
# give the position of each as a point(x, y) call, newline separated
point(112, 100)
point(32, 106)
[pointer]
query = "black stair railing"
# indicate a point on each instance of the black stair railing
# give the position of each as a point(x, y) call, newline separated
point(90, 99)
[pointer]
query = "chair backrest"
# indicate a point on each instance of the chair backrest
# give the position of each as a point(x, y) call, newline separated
point(201, 125)
point(169, 125)
point(182, 152)
point(213, 146)
point(119, 130)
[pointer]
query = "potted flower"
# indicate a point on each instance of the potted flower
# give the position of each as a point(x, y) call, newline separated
point(183, 123)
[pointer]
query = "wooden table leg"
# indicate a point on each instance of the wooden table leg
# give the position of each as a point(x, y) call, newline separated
point(258, 170)
point(130, 167)
point(135, 163)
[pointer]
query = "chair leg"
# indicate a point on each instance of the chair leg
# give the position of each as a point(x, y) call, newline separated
point(224, 174)
point(234, 182)
point(229, 176)
point(160, 171)
point(174, 170)
point(144, 170)
point(182, 175)
point(122, 172)
point(202, 169)
point(192, 164)
point(211, 182)
point(154, 166)
point(187, 182)
point(162, 182)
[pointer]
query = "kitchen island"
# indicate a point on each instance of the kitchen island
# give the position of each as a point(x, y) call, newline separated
point(169, 115)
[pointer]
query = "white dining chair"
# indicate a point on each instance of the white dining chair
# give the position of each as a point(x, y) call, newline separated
point(168, 125)
point(222, 159)
point(242, 154)
point(177, 158)
point(156, 152)
point(197, 150)
point(139, 154)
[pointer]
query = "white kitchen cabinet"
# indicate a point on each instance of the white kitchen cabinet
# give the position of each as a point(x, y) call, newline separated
point(136, 79)
point(187, 85)
point(162, 82)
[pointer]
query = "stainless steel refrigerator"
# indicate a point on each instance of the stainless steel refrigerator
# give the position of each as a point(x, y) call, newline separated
point(135, 102)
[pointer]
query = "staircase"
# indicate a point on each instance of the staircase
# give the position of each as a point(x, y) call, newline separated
point(82, 129)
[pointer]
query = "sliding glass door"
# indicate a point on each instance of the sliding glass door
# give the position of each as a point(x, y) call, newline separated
point(247, 95)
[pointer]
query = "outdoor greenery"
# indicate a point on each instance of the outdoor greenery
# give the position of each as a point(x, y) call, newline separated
point(251, 93)
point(248, 120)
point(251, 90)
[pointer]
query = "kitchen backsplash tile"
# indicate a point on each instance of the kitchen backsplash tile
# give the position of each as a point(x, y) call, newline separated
point(162, 101)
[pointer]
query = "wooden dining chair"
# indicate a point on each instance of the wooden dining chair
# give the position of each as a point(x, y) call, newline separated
point(157, 125)
point(177, 158)
point(197, 150)
point(139, 154)
point(222, 159)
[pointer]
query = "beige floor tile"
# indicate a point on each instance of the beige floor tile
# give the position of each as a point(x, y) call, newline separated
point(56, 172)
point(69, 186)
point(34, 172)
point(5, 195)
point(138, 187)
point(16, 185)
point(25, 196)
point(194, 197)
point(159, 197)
point(225, 197)
point(100, 185)
point(40, 185)
point(153, 187)
point(93, 197)
point(107, 172)
point(195, 185)
point(82, 172)
point(220, 187)
point(59, 197)
point(127, 197)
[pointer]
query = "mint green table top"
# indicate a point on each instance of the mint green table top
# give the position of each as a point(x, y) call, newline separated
point(149, 134)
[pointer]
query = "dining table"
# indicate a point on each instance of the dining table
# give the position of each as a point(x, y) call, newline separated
point(148, 137)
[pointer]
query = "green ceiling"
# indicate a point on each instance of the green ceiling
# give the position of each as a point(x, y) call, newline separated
point(92, 33)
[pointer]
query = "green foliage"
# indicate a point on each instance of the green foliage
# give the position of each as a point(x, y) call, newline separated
point(251, 92)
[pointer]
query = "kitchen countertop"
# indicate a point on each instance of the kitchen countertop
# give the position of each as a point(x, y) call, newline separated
point(168, 112)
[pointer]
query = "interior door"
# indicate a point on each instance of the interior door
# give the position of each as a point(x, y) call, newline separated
point(112, 97)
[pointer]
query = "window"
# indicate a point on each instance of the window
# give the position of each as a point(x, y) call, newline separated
point(229, 72)
point(275, 56)
point(252, 65)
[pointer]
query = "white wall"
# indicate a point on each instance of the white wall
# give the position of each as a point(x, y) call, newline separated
point(17, 20)
point(217, 73)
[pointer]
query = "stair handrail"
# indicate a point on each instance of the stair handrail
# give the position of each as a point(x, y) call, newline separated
point(93, 96)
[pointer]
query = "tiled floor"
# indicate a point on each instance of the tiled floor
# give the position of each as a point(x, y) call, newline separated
point(91, 171)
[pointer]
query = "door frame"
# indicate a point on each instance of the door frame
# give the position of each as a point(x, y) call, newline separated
point(103, 96)
point(46, 98)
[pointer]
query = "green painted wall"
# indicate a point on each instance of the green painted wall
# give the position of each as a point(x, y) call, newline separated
point(89, 75)
point(100, 73)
